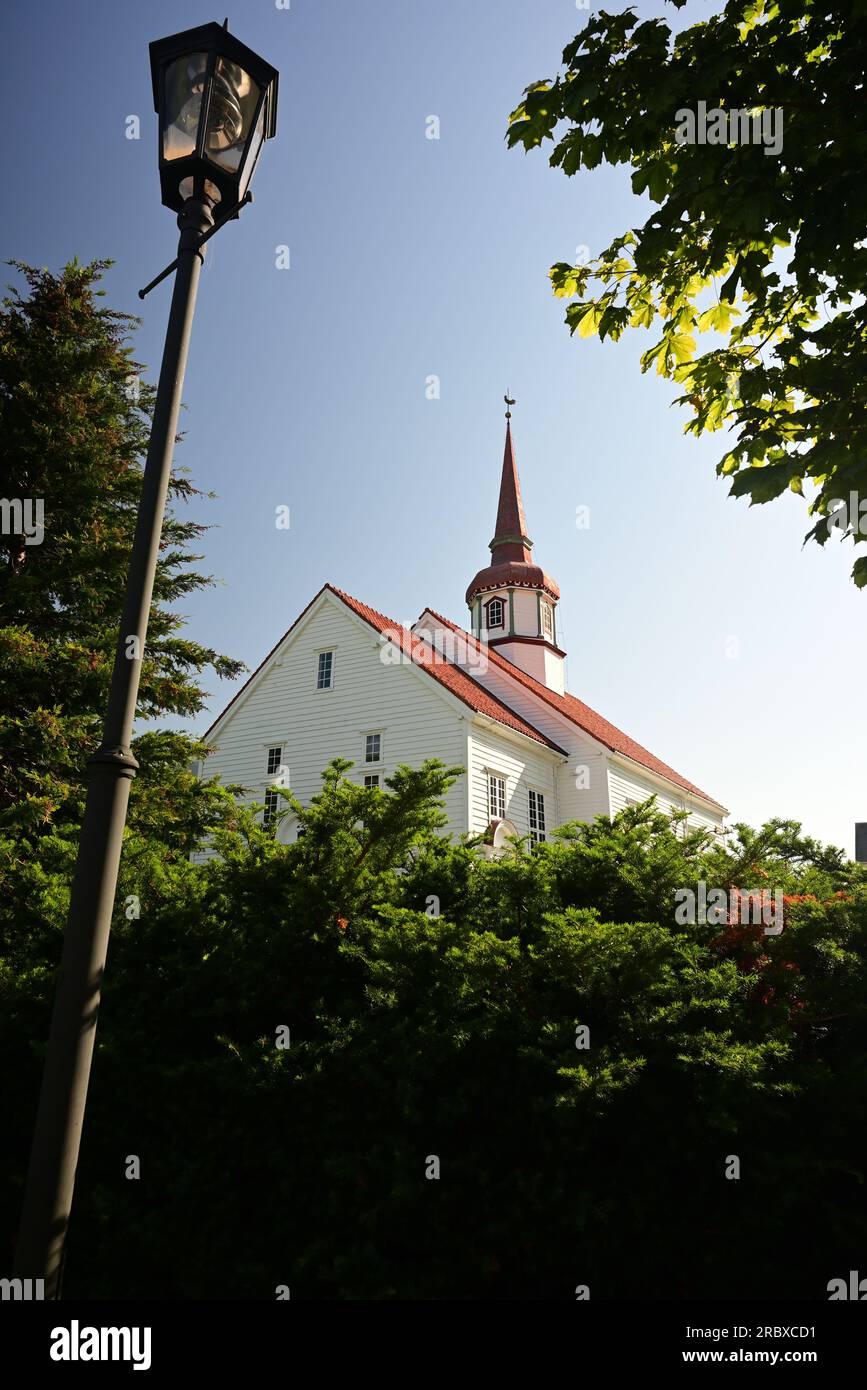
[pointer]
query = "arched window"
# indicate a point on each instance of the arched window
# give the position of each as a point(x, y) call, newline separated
point(494, 613)
point(547, 621)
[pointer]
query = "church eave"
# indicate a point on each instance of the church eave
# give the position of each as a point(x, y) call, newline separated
point(494, 577)
point(528, 641)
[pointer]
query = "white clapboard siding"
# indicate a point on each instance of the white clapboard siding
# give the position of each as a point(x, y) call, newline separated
point(705, 820)
point(583, 783)
point(526, 606)
point(416, 718)
point(522, 767)
point(628, 786)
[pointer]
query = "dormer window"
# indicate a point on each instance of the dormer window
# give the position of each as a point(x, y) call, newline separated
point(547, 616)
point(495, 613)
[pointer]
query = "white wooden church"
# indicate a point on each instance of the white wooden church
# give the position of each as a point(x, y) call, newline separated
point(346, 681)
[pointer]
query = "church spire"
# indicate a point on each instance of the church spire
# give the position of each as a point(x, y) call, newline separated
point(512, 601)
point(511, 541)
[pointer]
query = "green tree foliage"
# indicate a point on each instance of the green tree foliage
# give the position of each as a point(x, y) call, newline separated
point(766, 253)
point(74, 421)
point(433, 999)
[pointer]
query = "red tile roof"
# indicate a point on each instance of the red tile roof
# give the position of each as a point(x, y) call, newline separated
point(583, 716)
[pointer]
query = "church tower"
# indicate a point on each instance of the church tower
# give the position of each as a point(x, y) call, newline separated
point(512, 602)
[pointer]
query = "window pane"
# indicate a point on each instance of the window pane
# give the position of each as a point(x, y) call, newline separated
point(253, 152)
point(537, 816)
point(372, 746)
point(495, 612)
point(274, 756)
point(184, 80)
point(234, 96)
point(323, 680)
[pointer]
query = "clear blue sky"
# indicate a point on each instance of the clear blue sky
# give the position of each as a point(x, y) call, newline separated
point(411, 257)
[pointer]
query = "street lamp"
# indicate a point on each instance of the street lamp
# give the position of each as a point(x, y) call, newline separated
point(217, 104)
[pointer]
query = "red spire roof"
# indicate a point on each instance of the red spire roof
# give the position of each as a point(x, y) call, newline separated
point(511, 541)
point(511, 548)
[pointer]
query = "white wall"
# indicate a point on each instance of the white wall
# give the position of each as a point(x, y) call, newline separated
point(628, 785)
point(284, 707)
point(583, 783)
point(528, 657)
point(527, 612)
point(522, 767)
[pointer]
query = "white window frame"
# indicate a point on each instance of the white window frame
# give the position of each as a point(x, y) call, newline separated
point(546, 612)
point(373, 733)
point(497, 796)
point(326, 651)
point(272, 804)
point(278, 749)
point(493, 627)
point(535, 805)
point(372, 779)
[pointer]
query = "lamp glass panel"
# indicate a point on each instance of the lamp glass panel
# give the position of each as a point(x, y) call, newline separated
point(232, 106)
point(253, 151)
point(185, 83)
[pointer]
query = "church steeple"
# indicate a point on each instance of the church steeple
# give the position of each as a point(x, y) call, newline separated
point(512, 601)
point(511, 541)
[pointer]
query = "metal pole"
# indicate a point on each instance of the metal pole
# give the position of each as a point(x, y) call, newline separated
point(59, 1119)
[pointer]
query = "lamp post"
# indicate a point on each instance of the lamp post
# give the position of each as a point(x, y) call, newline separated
point(217, 104)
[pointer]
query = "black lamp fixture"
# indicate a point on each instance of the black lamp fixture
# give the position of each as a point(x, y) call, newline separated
point(217, 105)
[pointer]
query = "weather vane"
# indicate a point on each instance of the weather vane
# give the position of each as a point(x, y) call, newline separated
point(507, 398)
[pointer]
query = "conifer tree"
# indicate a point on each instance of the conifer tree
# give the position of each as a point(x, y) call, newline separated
point(74, 422)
